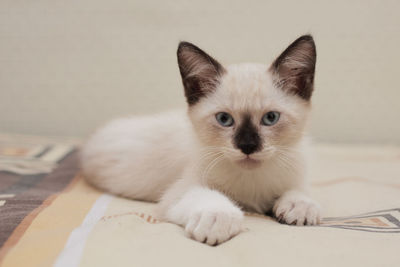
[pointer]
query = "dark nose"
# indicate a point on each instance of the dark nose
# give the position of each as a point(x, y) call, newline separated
point(248, 148)
point(246, 137)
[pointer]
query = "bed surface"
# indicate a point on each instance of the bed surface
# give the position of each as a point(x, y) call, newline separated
point(50, 217)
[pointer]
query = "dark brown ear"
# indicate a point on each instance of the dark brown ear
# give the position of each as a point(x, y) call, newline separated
point(200, 72)
point(293, 71)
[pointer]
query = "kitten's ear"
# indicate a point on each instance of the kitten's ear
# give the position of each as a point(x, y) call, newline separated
point(200, 72)
point(293, 71)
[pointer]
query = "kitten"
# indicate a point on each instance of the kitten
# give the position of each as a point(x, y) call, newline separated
point(240, 146)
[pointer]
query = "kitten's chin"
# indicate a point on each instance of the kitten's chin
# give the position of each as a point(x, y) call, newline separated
point(249, 163)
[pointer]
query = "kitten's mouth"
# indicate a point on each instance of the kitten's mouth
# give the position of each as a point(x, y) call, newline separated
point(249, 162)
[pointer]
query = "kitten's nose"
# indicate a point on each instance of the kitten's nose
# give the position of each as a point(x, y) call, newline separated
point(248, 148)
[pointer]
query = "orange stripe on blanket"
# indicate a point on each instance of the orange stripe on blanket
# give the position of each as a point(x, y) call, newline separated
point(146, 217)
point(26, 222)
point(42, 240)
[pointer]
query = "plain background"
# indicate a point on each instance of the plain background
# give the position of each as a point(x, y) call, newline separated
point(66, 67)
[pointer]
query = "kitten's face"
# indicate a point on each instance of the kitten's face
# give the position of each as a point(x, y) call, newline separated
point(248, 112)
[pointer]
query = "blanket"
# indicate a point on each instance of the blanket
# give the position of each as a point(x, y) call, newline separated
point(49, 216)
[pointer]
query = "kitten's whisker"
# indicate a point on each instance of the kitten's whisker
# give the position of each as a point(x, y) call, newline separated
point(218, 160)
point(209, 148)
point(210, 166)
point(287, 161)
point(207, 155)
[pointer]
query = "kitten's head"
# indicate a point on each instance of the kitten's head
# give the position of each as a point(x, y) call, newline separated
point(248, 112)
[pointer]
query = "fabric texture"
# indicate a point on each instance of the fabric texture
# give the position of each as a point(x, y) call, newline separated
point(50, 217)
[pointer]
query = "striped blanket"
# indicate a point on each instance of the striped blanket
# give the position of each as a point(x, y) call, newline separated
point(49, 216)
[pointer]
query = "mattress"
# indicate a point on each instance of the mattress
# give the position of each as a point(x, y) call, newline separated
point(49, 216)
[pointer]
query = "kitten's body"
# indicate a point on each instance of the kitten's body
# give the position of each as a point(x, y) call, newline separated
point(172, 146)
point(201, 172)
point(139, 157)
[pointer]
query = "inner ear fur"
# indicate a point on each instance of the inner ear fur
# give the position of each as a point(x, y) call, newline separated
point(200, 72)
point(294, 69)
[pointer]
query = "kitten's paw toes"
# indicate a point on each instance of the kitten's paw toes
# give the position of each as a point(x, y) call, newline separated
point(213, 228)
point(297, 211)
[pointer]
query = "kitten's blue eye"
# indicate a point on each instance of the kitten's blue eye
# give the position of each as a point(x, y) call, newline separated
point(270, 118)
point(224, 119)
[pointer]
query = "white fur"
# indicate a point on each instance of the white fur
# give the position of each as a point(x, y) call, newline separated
point(187, 162)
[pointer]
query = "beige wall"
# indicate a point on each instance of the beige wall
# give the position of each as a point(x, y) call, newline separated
point(67, 66)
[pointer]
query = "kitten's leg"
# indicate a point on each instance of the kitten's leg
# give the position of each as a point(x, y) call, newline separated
point(207, 215)
point(295, 207)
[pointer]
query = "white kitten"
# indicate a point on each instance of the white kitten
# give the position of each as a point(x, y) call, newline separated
point(239, 146)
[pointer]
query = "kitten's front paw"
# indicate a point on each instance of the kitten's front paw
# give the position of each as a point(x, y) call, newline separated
point(214, 227)
point(297, 209)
